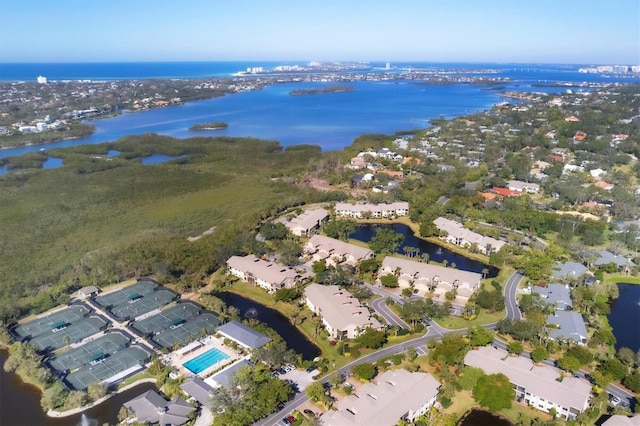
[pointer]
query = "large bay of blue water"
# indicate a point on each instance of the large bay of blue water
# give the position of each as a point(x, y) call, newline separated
point(330, 120)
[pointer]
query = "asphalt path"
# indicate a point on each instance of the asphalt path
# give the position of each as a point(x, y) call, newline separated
point(380, 306)
point(510, 301)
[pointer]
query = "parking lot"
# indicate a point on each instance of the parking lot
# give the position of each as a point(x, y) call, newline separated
point(300, 377)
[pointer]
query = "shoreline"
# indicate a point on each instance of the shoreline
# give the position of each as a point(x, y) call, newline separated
point(73, 411)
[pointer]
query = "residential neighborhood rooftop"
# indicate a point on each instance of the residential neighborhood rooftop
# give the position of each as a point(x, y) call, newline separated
point(569, 269)
point(243, 335)
point(339, 308)
point(394, 394)
point(538, 380)
point(571, 326)
point(557, 295)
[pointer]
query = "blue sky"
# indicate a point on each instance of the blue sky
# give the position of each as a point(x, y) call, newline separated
point(542, 31)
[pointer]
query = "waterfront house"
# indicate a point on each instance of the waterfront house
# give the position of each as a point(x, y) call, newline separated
point(455, 233)
point(427, 277)
point(335, 252)
point(539, 386)
point(375, 211)
point(269, 275)
point(342, 314)
point(606, 257)
point(395, 395)
point(152, 408)
point(243, 335)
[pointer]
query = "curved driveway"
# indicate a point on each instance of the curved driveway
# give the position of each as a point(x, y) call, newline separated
point(380, 306)
point(510, 291)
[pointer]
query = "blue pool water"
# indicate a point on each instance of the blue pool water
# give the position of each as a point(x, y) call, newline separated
point(205, 360)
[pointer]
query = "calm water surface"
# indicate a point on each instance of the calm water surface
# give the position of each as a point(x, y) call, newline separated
point(331, 120)
point(20, 404)
point(477, 417)
point(436, 253)
point(625, 317)
point(274, 319)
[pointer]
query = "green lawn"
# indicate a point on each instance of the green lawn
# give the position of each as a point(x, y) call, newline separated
point(620, 278)
point(483, 318)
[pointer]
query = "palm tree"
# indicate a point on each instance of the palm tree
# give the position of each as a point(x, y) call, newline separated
point(485, 271)
point(425, 257)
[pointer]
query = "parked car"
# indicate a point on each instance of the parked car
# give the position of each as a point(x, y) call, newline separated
point(310, 369)
point(289, 420)
point(614, 400)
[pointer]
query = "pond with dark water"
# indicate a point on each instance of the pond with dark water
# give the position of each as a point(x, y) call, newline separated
point(435, 252)
point(20, 404)
point(625, 317)
point(477, 417)
point(274, 319)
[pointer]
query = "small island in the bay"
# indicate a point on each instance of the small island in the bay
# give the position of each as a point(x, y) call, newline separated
point(216, 125)
point(328, 89)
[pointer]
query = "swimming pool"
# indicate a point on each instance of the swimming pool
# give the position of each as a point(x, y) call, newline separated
point(205, 360)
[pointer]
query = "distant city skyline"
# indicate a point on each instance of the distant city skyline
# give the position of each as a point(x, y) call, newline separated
point(524, 31)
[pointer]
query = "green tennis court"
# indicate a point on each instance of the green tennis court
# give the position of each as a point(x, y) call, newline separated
point(54, 340)
point(46, 323)
point(90, 351)
point(171, 316)
point(107, 367)
point(187, 331)
point(135, 300)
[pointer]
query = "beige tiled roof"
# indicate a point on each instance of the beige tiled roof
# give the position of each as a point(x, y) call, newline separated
point(270, 272)
point(383, 403)
point(536, 379)
point(333, 247)
point(428, 271)
point(339, 308)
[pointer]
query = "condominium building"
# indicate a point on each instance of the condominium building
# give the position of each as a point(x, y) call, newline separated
point(342, 314)
point(271, 276)
point(375, 211)
point(427, 277)
point(395, 395)
point(336, 252)
point(539, 386)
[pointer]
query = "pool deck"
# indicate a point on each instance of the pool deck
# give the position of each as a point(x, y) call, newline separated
point(176, 360)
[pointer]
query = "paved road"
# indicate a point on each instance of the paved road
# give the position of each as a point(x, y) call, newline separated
point(434, 331)
point(382, 309)
point(510, 291)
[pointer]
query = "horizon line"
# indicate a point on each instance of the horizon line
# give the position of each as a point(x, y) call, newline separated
point(312, 60)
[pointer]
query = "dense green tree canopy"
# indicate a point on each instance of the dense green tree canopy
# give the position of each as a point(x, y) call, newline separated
point(364, 371)
point(494, 391)
point(386, 241)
